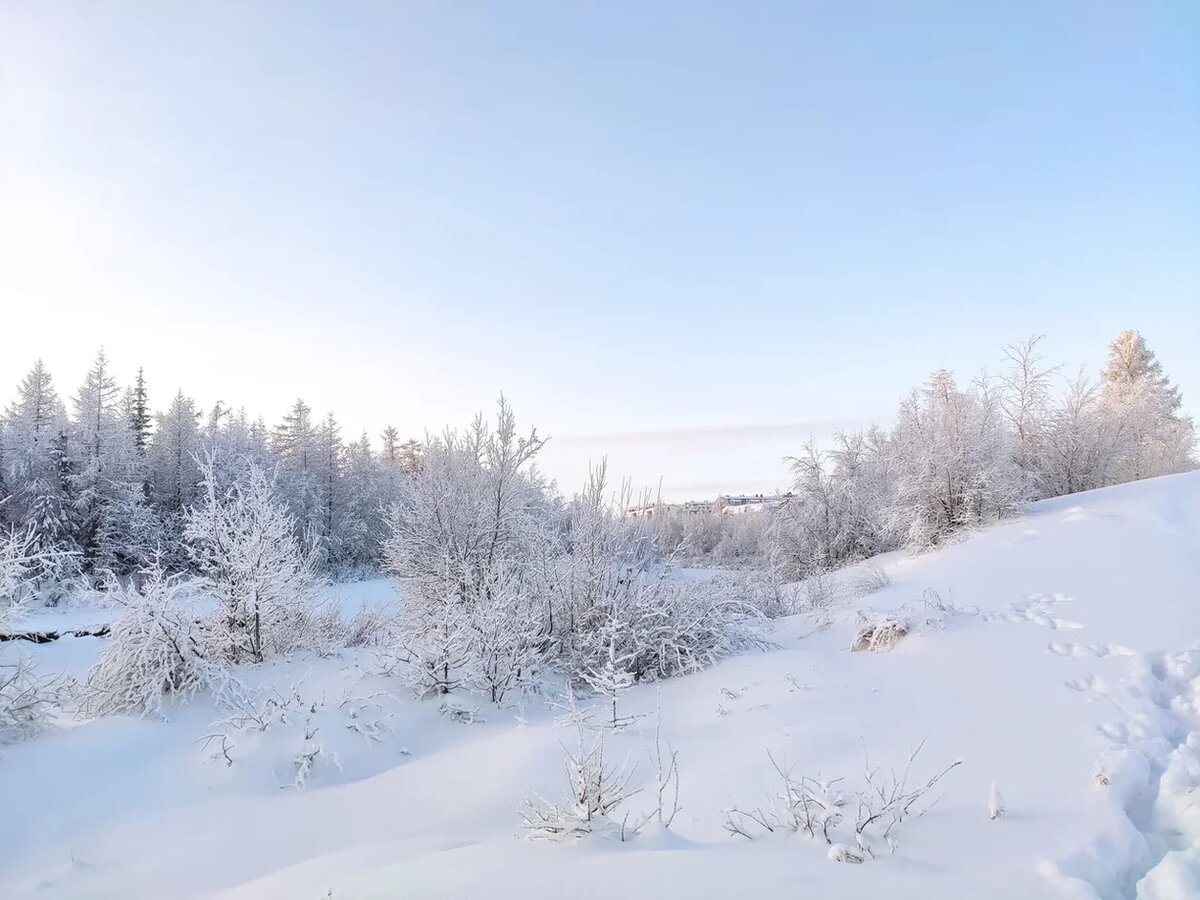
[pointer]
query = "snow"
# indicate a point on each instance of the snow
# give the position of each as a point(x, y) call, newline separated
point(1070, 678)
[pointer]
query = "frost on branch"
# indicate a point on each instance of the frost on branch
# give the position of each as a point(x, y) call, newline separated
point(666, 775)
point(816, 807)
point(26, 700)
point(468, 548)
point(164, 646)
point(241, 539)
point(801, 803)
point(256, 594)
point(595, 790)
point(285, 730)
point(19, 563)
point(611, 682)
point(502, 584)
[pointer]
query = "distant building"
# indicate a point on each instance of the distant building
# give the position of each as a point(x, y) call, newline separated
point(735, 504)
point(726, 504)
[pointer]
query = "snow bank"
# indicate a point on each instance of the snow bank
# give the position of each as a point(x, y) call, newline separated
point(1069, 675)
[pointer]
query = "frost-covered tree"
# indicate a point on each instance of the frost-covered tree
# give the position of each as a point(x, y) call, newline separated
point(36, 501)
point(612, 680)
point(166, 645)
point(174, 473)
point(839, 509)
point(1078, 450)
point(411, 455)
point(367, 493)
point(174, 469)
point(820, 515)
point(294, 448)
point(116, 530)
point(610, 593)
point(466, 544)
point(235, 442)
point(952, 460)
point(389, 452)
point(137, 406)
point(1143, 408)
point(19, 563)
point(327, 482)
point(862, 464)
point(242, 542)
point(1025, 404)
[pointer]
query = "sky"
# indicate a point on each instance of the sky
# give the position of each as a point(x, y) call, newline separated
point(685, 236)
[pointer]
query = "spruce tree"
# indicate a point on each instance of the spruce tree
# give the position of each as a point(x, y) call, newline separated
point(1143, 415)
point(139, 414)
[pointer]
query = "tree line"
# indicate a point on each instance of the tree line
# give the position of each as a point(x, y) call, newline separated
point(104, 486)
point(957, 457)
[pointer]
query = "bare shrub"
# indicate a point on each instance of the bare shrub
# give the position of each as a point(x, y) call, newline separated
point(666, 777)
point(594, 792)
point(816, 807)
point(368, 626)
point(298, 718)
point(801, 803)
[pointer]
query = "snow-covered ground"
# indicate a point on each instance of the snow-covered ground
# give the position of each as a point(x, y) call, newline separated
point(1070, 678)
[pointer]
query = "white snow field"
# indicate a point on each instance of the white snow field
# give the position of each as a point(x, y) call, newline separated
point(1070, 679)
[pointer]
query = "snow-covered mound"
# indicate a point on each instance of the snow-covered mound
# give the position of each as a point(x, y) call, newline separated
point(1056, 655)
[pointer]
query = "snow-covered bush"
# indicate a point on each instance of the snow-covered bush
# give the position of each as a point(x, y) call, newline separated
point(819, 808)
point(802, 803)
point(953, 462)
point(257, 593)
point(611, 681)
point(879, 631)
point(19, 560)
point(242, 542)
point(166, 645)
point(500, 589)
point(26, 699)
point(467, 547)
point(712, 538)
point(682, 627)
point(294, 731)
point(595, 790)
point(614, 598)
point(367, 626)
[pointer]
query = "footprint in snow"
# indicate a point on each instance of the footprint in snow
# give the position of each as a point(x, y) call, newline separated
point(1117, 732)
point(1100, 651)
point(1089, 684)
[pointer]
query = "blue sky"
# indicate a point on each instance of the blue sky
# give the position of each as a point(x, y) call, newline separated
point(687, 234)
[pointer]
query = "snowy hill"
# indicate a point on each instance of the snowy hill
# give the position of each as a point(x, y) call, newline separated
point(1066, 672)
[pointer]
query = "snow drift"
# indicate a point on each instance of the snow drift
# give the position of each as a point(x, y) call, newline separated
point(1060, 663)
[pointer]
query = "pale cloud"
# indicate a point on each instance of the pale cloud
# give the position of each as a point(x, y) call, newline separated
point(802, 430)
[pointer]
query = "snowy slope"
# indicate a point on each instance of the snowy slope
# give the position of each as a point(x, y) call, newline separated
point(1071, 680)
